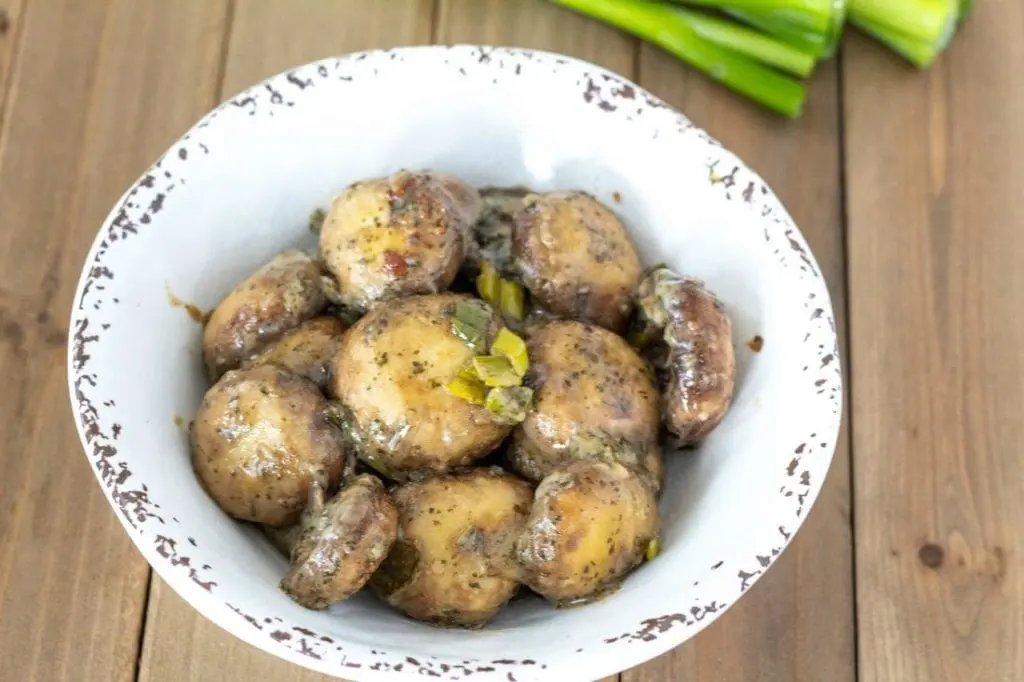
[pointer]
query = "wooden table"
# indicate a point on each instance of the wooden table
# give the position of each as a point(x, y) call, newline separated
point(909, 186)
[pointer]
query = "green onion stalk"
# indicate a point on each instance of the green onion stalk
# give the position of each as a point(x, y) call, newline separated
point(810, 16)
point(762, 48)
point(812, 43)
point(813, 26)
point(742, 59)
point(919, 30)
point(750, 43)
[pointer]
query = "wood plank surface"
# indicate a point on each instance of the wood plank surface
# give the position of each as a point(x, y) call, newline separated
point(538, 25)
point(10, 39)
point(934, 163)
point(93, 99)
point(269, 36)
point(797, 623)
point(266, 37)
point(91, 92)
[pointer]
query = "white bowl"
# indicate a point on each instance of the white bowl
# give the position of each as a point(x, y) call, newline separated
point(238, 187)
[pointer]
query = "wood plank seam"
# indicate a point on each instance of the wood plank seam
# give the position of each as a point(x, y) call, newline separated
point(225, 48)
point(141, 627)
point(848, 360)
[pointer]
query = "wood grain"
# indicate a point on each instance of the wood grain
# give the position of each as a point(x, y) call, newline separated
point(934, 167)
point(267, 36)
point(93, 100)
point(10, 39)
point(182, 645)
point(535, 24)
point(797, 623)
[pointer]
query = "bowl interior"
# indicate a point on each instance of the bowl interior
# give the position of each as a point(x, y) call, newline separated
point(240, 188)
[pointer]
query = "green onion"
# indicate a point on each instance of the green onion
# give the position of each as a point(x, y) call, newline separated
point(512, 301)
point(773, 41)
point(488, 283)
point(638, 338)
point(669, 28)
point(509, 405)
point(468, 373)
point(812, 43)
point(496, 371)
point(918, 53)
point(745, 41)
point(470, 323)
point(919, 30)
point(466, 389)
point(965, 9)
point(926, 21)
point(815, 16)
point(336, 413)
point(513, 348)
point(811, 26)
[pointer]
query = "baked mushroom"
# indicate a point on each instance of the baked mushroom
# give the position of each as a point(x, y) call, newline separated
point(454, 560)
point(341, 544)
point(590, 525)
point(397, 236)
point(259, 440)
point(576, 258)
point(308, 350)
point(688, 336)
point(276, 298)
point(594, 398)
point(392, 373)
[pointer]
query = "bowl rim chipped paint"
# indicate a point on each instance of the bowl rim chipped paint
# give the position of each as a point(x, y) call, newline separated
point(161, 512)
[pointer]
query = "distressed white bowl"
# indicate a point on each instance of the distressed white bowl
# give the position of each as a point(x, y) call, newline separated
point(238, 188)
